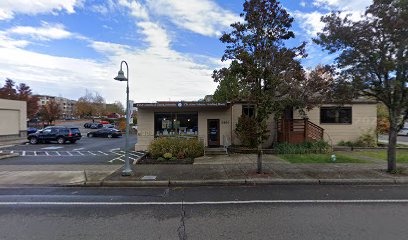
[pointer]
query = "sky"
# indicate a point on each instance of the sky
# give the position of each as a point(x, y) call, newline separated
point(67, 47)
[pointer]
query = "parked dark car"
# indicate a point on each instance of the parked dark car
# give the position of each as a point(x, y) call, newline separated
point(59, 134)
point(93, 125)
point(96, 125)
point(105, 132)
point(31, 130)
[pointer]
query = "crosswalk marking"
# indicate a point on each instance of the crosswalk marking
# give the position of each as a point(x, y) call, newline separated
point(117, 155)
point(103, 152)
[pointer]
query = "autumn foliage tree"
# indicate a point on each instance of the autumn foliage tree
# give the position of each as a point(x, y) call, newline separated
point(21, 92)
point(50, 112)
point(373, 59)
point(91, 104)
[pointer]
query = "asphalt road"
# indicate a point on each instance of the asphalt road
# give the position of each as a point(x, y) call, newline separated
point(85, 151)
point(267, 212)
point(401, 139)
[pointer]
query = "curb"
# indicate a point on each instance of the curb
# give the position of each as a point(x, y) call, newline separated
point(248, 182)
point(9, 156)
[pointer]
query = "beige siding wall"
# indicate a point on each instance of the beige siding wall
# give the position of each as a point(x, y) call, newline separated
point(225, 124)
point(146, 126)
point(145, 129)
point(237, 112)
point(364, 118)
point(13, 115)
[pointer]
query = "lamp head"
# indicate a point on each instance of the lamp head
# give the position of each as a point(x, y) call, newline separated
point(121, 76)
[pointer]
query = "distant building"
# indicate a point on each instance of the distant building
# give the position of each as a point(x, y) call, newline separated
point(67, 105)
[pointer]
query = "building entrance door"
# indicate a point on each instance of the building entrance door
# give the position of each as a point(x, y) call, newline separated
point(213, 130)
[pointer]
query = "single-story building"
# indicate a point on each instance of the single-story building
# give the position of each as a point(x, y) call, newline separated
point(214, 123)
point(13, 119)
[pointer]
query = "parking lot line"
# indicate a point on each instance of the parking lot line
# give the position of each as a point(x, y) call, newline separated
point(103, 153)
point(23, 153)
point(35, 153)
point(92, 153)
point(46, 153)
point(80, 153)
point(70, 154)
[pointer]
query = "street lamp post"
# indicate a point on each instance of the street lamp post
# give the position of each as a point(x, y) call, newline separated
point(127, 171)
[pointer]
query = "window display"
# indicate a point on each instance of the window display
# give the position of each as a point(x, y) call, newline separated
point(171, 123)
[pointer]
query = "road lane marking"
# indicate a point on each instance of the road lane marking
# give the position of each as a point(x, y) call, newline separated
point(80, 153)
point(92, 153)
point(35, 153)
point(114, 149)
point(23, 153)
point(77, 149)
point(70, 154)
point(51, 148)
point(59, 154)
point(103, 152)
point(46, 153)
point(212, 203)
point(11, 151)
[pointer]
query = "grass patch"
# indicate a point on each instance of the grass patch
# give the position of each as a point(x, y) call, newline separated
point(402, 155)
point(319, 158)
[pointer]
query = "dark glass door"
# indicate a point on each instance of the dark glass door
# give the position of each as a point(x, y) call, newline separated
point(213, 130)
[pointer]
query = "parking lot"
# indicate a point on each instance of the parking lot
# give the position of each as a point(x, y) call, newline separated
point(85, 151)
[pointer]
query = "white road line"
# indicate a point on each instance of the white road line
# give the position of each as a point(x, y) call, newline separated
point(70, 154)
point(212, 203)
point(114, 149)
point(77, 149)
point(103, 152)
point(35, 153)
point(59, 154)
point(23, 153)
point(92, 153)
point(46, 153)
point(80, 153)
point(11, 151)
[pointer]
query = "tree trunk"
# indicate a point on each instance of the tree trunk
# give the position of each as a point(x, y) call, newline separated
point(391, 152)
point(259, 159)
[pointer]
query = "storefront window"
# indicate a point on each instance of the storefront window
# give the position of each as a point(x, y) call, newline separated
point(170, 123)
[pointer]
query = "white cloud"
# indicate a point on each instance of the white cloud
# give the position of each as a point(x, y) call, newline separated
point(343, 5)
point(8, 8)
point(45, 32)
point(156, 36)
point(309, 22)
point(136, 8)
point(303, 3)
point(200, 16)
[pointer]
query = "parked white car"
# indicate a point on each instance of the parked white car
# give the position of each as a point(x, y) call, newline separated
point(403, 132)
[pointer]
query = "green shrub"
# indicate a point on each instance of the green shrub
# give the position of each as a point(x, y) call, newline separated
point(191, 148)
point(167, 155)
point(161, 159)
point(245, 130)
point(173, 159)
point(367, 139)
point(302, 148)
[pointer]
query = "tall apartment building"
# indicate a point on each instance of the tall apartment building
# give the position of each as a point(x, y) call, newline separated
point(67, 105)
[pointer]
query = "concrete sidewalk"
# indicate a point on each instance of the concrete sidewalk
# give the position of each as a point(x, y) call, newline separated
point(236, 169)
point(240, 169)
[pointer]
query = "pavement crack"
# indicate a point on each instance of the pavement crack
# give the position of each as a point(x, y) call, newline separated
point(181, 230)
